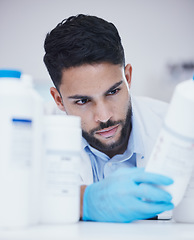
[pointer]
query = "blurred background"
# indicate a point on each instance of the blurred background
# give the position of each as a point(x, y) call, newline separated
point(158, 37)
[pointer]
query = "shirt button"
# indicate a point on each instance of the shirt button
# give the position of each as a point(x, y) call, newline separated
point(109, 164)
point(114, 167)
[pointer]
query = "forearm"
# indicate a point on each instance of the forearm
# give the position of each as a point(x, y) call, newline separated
point(82, 190)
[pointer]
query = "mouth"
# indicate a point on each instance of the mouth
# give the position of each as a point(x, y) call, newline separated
point(108, 132)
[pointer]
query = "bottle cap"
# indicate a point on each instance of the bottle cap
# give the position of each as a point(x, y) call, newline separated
point(6, 73)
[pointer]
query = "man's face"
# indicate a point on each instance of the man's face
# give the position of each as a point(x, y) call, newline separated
point(99, 94)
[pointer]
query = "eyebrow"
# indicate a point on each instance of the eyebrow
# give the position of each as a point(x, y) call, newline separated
point(88, 97)
point(114, 86)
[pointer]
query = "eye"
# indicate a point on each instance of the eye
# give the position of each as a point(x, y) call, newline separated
point(82, 101)
point(113, 92)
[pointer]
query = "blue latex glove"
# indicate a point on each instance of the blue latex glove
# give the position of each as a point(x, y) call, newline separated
point(126, 195)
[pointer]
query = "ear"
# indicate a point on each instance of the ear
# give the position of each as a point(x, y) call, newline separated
point(57, 97)
point(128, 74)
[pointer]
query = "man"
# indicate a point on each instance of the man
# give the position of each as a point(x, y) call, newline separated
point(85, 59)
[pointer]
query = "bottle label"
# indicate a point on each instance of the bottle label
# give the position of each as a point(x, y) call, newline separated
point(21, 143)
point(172, 155)
point(61, 173)
point(190, 188)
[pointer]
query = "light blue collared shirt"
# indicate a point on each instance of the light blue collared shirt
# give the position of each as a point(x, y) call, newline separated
point(103, 165)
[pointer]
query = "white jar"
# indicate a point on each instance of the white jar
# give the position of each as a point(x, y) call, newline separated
point(19, 132)
point(61, 182)
point(184, 212)
point(173, 153)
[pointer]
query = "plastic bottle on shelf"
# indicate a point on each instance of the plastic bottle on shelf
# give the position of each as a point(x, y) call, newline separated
point(61, 182)
point(37, 153)
point(173, 153)
point(19, 133)
point(184, 212)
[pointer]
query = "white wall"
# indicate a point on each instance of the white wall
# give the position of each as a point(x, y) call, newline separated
point(154, 33)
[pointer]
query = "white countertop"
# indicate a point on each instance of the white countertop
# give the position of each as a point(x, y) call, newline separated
point(141, 230)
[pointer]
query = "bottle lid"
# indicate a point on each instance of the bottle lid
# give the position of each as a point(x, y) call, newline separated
point(6, 73)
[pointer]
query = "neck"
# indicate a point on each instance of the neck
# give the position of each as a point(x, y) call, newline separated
point(116, 151)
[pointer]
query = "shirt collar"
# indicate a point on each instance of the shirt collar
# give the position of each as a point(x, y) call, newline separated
point(89, 149)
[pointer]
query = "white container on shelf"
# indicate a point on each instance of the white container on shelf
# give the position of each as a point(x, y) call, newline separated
point(173, 153)
point(37, 153)
point(19, 133)
point(61, 182)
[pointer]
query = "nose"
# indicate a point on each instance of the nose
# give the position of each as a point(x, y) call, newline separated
point(102, 112)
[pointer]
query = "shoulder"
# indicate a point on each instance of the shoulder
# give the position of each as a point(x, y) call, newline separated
point(150, 106)
point(150, 114)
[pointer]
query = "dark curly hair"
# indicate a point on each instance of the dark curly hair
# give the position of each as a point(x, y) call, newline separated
point(79, 40)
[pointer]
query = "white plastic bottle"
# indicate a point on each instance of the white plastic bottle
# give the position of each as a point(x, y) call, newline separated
point(19, 131)
point(61, 182)
point(173, 153)
point(184, 212)
point(37, 153)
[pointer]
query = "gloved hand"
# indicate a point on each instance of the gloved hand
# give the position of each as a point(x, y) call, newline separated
point(126, 195)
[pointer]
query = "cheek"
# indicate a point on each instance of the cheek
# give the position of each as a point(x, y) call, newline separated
point(86, 121)
point(71, 109)
point(86, 116)
point(86, 125)
point(119, 113)
point(120, 108)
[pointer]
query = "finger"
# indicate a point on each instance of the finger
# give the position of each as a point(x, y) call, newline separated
point(153, 193)
point(153, 178)
point(153, 208)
